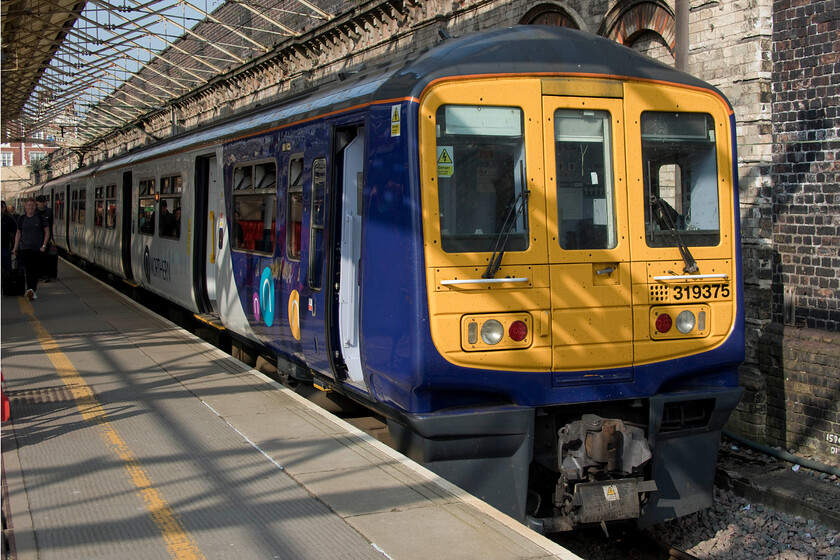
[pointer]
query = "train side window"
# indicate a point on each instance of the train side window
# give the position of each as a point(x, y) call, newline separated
point(146, 207)
point(254, 207)
point(681, 185)
point(294, 208)
point(318, 219)
point(169, 207)
point(99, 201)
point(111, 206)
point(481, 177)
point(585, 197)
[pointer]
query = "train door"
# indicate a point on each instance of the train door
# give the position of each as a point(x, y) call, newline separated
point(209, 204)
point(351, 241)
point(126, 225)
point(589, 255)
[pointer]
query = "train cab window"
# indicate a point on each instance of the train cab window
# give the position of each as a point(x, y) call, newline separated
point(294, 208)
point(585, 198)
point(481, 177)
point(111, 206)
point(146, 207)
point(318, 219)
point(254, 207)
point(680, 177)
point(169, 207)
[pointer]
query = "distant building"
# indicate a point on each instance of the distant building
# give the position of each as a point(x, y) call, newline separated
point(16, 160)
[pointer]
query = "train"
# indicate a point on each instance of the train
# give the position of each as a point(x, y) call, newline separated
point(520, 247)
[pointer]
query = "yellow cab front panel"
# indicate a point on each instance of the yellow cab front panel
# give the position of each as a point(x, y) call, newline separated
point(555, 174)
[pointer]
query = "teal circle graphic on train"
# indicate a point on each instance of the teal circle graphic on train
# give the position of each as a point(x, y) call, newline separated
point(267, 297)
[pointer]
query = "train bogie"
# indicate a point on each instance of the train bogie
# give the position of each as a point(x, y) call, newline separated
point(520, 248)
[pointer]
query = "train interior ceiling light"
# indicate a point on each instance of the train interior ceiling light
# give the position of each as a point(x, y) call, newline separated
point(74, 71)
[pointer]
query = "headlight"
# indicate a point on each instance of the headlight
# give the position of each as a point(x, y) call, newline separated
point(492, 332)
point(685, 322)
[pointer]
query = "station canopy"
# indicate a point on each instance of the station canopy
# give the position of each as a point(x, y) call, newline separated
point(72, 70)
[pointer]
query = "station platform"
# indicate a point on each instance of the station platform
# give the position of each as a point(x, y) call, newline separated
point(131, 438)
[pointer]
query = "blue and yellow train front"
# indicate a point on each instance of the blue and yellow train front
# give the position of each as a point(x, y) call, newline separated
point(585, 317)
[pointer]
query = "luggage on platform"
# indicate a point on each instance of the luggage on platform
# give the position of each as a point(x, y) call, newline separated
point(50, 263)
point(13, 280)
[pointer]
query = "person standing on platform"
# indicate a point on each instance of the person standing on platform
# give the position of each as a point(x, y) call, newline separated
point(50, 261)
point(31, 240)
point(9, 227)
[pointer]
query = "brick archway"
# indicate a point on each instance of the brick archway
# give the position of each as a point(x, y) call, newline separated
point(549, 14)
point(627, 20)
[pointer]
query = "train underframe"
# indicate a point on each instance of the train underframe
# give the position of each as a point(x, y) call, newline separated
point(561, 468)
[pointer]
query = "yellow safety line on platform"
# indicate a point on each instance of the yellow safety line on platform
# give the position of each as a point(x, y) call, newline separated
point(179, 542)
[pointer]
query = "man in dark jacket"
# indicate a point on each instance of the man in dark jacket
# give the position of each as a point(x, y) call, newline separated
point(31, 243)
point(49, 267)
point(8, 239)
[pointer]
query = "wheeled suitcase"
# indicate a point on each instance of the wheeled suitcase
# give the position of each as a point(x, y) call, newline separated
point(13, 280)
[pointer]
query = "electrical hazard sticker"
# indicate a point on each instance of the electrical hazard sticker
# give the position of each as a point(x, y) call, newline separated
point(395, 120)
point(611, 493)
point(445, 161)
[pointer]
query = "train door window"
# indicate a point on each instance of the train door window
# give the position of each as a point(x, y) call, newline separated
point(59, 209)
point(99, 201)
point(169, 207)
point(294, 208)
point(585, 197)
point(254, 207)
point(481, 178)
point(78, 203)
point(318, 218)
point(111, 206)
point(680, 170)
point(146, 207)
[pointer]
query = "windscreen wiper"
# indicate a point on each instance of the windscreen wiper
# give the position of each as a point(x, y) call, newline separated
point(665, 213)
point(521, 201)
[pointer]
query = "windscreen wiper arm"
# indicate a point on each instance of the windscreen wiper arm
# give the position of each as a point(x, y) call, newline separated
point(521, 201)
point(665, 212)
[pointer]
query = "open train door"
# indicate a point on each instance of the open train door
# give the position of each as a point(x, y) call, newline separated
point(208, 205)
point(126, 225)
point(351, 242)
point(589, 249)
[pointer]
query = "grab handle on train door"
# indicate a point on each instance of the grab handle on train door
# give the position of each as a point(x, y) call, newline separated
point(212, 237)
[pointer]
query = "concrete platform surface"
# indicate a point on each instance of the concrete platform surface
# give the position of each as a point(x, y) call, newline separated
point(131, 438)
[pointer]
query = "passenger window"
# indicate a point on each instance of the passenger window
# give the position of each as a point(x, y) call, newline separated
point(169, 207)
point(294, 217)
point(316, 230)
point(99, 201)
point(59, 209)
point(681, 183)
point(111, 206)
point(146, 207)
point(585, 198)
point(254, 207)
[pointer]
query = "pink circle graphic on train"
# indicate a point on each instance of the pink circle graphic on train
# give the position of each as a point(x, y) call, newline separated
point(256, 305)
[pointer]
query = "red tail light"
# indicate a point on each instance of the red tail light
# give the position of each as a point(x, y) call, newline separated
point(518, 330)
point(664, 323)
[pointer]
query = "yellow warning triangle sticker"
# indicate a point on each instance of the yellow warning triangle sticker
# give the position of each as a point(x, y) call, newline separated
point(610, 491)
point(395, 116)
point(444, 157)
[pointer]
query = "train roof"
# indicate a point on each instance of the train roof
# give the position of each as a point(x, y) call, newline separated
point(534, 50)
point(519, 50)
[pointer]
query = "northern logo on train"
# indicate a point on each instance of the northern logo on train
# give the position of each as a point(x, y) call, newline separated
point(267, 297)
point(147, 264)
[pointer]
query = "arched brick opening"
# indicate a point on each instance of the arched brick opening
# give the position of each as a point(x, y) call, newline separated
point(549, 14)
point(629, 20)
